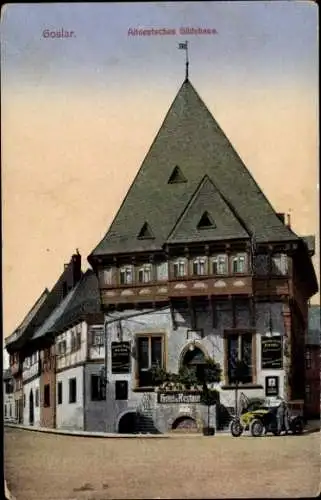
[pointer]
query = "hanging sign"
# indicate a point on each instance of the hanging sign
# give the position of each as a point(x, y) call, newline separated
point(120, 357)
point(271, 353)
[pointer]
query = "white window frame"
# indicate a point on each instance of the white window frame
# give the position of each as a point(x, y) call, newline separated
point(283, 263)
point(146, 272)
point(220, 259)
point(238, 258)
point(181, 266)
point(201, 266)
point(127, 272)
point(97, 331)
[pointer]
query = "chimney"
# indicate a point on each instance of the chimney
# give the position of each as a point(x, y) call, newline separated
point(76, 267)
point(281, 216)
point(288, 220)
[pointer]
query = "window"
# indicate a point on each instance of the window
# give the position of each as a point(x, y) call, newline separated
point(239, 348)
point(121, 390)
point(308, 359)
point(105, 276)
point(219, 264)
point(162, 271)
point(308, 392)
point(59, 393)
point(279, 264)
point(144, 274)
point(24, 400)
point(179, 268)
point(73, 342)
point(46, 395)
point(150, 350)
point(10, 411)
point(5, 410)
point(238, 262)
point(9, 387)
point(72, 390)
point(126, 275)
point(37, 397)
point(199, 266)
point(97, 336)
point(261, 264)
point(97, 389)
point(62, 348)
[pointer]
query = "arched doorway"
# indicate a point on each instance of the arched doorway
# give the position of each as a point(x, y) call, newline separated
point(127, 423)
point(185, 424)
point(31, 408)
point(193, 358)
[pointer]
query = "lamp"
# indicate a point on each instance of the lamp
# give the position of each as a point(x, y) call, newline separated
point(192, 346)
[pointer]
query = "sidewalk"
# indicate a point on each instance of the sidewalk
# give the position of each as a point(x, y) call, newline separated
point(311, 426)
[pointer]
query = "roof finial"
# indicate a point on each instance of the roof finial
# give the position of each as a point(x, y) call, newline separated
point(184, 46)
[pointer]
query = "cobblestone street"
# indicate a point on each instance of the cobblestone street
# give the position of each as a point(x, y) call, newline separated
point(40, 466)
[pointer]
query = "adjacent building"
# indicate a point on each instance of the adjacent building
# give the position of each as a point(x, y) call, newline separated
point(197, 264)
point(312, 364)
point(9, 409)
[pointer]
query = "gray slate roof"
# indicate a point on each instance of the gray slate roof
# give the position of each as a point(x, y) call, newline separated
point(191, 139)
point(207, 199)
point(82, 299)
point(314, 327)
point(30, 316)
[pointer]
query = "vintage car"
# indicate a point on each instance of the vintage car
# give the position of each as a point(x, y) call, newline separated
point(259, 417)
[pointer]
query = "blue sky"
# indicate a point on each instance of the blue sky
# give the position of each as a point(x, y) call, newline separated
point(271, 40)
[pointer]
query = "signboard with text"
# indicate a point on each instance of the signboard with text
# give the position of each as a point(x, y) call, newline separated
point(271, 353)
point(120, 357)
point(178, 397)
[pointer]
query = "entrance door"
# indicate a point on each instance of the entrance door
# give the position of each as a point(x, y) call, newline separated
point(31, 408)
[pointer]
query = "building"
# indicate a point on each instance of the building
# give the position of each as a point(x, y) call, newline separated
point(197, 264)
point(9, 411)
point(25, 355)
point(63, 359)
point(312, 363)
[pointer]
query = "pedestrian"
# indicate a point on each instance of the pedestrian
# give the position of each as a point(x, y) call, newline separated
point(282, 417)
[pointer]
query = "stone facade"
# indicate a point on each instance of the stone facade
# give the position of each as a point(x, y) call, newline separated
point(178, 337)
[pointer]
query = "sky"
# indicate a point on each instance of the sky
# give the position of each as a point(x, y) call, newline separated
point(79, 114)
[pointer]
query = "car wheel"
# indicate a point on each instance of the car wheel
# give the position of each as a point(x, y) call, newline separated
point(236, 428)
point(256, 428)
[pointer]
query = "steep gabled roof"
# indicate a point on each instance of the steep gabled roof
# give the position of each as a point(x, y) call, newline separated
point(207, 217)
point(81, 300)
point(85, 301)
point(17, 334)
point(190, 139)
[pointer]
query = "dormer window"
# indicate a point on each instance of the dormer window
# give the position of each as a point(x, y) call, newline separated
point(199, 266)
point(239, 263)
point(145, 274)
point(126, 275)
point(179, 268)
point(219, 264)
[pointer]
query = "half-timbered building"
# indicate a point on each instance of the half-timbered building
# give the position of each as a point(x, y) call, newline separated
point(197, 264)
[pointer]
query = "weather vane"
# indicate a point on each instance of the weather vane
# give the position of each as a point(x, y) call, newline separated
point(184, 46)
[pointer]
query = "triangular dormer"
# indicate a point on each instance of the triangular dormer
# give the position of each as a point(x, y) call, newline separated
point(205, 221)
point(176, 176)
point(218, 222)
point(145, 233)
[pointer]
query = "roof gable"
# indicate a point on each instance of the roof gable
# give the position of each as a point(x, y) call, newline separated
point(82, 299)
point(207, 217)
point(190, 138)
